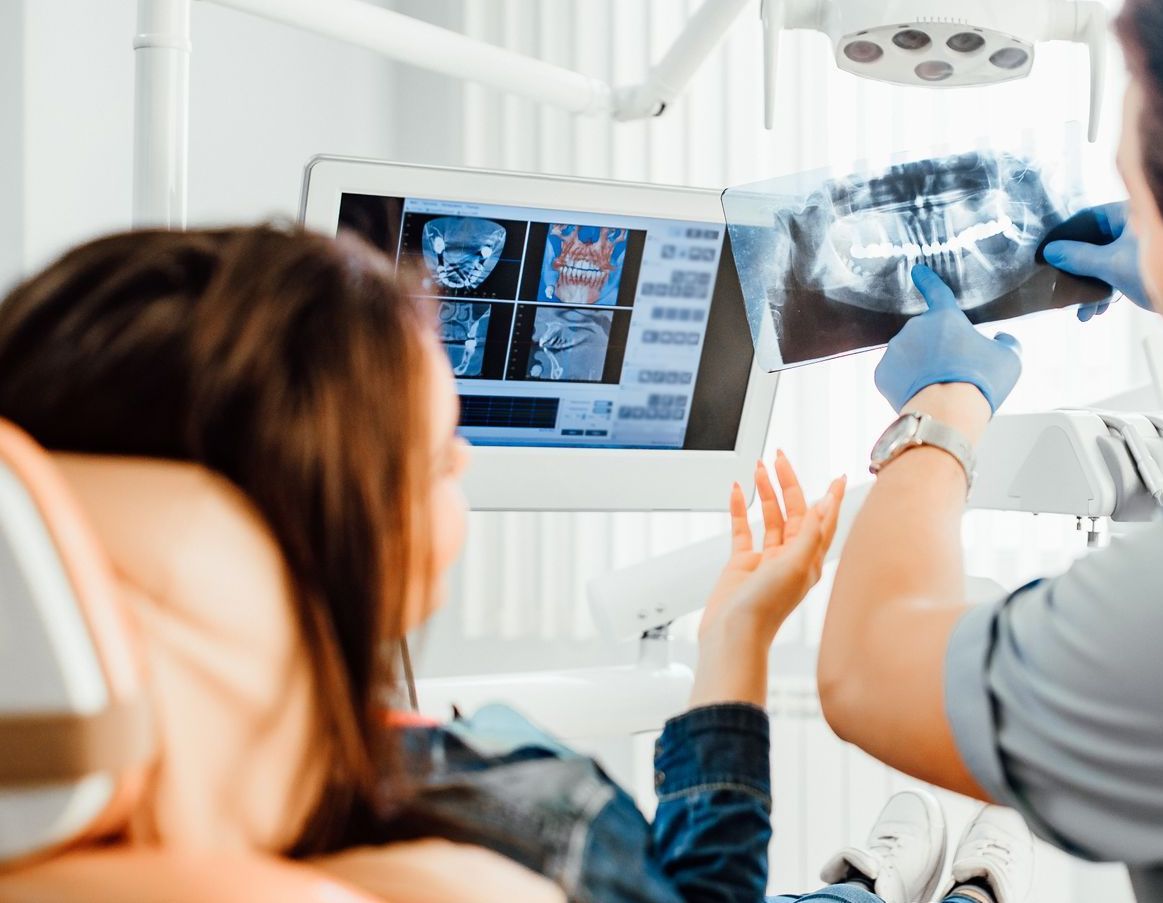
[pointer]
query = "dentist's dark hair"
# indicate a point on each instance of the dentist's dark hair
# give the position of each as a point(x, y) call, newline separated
point(1139, 26)
point(289, 363)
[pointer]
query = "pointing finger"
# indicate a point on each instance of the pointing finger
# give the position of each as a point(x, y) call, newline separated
point(933, 289)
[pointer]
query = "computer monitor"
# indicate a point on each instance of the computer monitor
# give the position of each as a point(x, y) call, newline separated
point(596, 330)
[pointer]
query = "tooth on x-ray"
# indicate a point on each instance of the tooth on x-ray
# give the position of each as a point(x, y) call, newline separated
point(461, 251)
point(551, 344)
point(464, 328)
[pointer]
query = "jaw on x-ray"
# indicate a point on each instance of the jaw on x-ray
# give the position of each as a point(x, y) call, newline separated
point(461, 251)
point(825, 263)
point(976, 220)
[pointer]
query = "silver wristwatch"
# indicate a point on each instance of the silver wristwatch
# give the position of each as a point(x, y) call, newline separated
point(913, 430)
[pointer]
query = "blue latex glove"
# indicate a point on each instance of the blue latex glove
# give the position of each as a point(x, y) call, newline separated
point(941, 346)
point(1104, 248)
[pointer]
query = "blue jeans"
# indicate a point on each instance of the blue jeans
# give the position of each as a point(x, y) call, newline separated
point(843, 893)
point(497, 781)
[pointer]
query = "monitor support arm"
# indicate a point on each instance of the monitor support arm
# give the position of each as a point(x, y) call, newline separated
point(163, 44)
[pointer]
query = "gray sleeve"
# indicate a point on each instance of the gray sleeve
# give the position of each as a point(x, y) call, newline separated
point(1055, 698)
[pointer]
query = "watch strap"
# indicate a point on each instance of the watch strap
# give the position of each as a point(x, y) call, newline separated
point(939, 435)
point(933, 433)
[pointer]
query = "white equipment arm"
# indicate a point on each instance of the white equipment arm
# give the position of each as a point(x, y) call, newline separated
point(654, 592)
point(416, 43)
point(163, 52)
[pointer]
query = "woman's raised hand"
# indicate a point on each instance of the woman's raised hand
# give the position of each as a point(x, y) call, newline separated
point(758, 589)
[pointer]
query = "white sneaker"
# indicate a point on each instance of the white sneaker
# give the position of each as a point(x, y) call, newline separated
point(905, 853)
point(998, 850)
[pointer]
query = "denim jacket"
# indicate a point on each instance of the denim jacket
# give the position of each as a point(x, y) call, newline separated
point(497, 781)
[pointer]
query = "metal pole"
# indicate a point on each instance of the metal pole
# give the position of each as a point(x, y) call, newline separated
point(161, 113)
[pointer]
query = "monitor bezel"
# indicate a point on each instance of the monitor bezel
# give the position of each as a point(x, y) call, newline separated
point(567, 479)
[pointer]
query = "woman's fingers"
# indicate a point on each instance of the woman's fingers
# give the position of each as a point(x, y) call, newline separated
point(806, 549)
point(833, 498)
point(773, 519)
point(818, 526)
point(782, 524)
point(793, 495)
point(828, 510)
point(741, 540)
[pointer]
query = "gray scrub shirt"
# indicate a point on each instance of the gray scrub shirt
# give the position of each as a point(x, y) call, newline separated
point(1055, 697)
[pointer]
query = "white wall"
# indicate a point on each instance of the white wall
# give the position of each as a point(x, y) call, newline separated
point(264, 99)
point(11, 141)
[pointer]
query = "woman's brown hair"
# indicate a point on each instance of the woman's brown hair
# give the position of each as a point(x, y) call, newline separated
point(288, 363)
point(1140, 29)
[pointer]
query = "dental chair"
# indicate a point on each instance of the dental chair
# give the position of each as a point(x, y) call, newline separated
point(156, 708)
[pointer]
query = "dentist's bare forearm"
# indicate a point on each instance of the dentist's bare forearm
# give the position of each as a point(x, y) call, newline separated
point(898, 592)
point(906, 541)
point(958, 405)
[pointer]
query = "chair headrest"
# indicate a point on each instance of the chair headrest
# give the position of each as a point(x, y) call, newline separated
point(186, 571)
point(74, 727)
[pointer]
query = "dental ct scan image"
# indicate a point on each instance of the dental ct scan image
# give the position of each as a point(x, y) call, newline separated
point(569, 344)
point(555, 343)
point(464, 329)
point(465, 256)
point(582, 264)
point(825, 262)
point(561, 326)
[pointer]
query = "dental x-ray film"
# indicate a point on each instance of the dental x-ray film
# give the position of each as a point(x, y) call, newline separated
point(825, 261)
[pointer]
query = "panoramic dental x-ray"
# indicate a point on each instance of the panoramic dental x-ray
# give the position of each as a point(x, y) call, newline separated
point(825, 262)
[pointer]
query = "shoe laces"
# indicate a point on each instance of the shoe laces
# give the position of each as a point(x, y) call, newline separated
point(885, 846)
point(999, 851)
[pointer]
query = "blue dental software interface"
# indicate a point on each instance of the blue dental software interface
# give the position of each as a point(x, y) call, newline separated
point(562, 328)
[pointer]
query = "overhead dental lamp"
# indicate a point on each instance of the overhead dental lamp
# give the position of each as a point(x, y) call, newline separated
point(939, 43)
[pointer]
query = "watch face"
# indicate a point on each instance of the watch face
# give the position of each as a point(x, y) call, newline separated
point(895, 438)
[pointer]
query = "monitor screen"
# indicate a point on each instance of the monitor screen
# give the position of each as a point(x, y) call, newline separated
point(575, 329)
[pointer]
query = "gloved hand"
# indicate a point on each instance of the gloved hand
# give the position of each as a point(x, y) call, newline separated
point(941, 346)
point(1097, 242)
